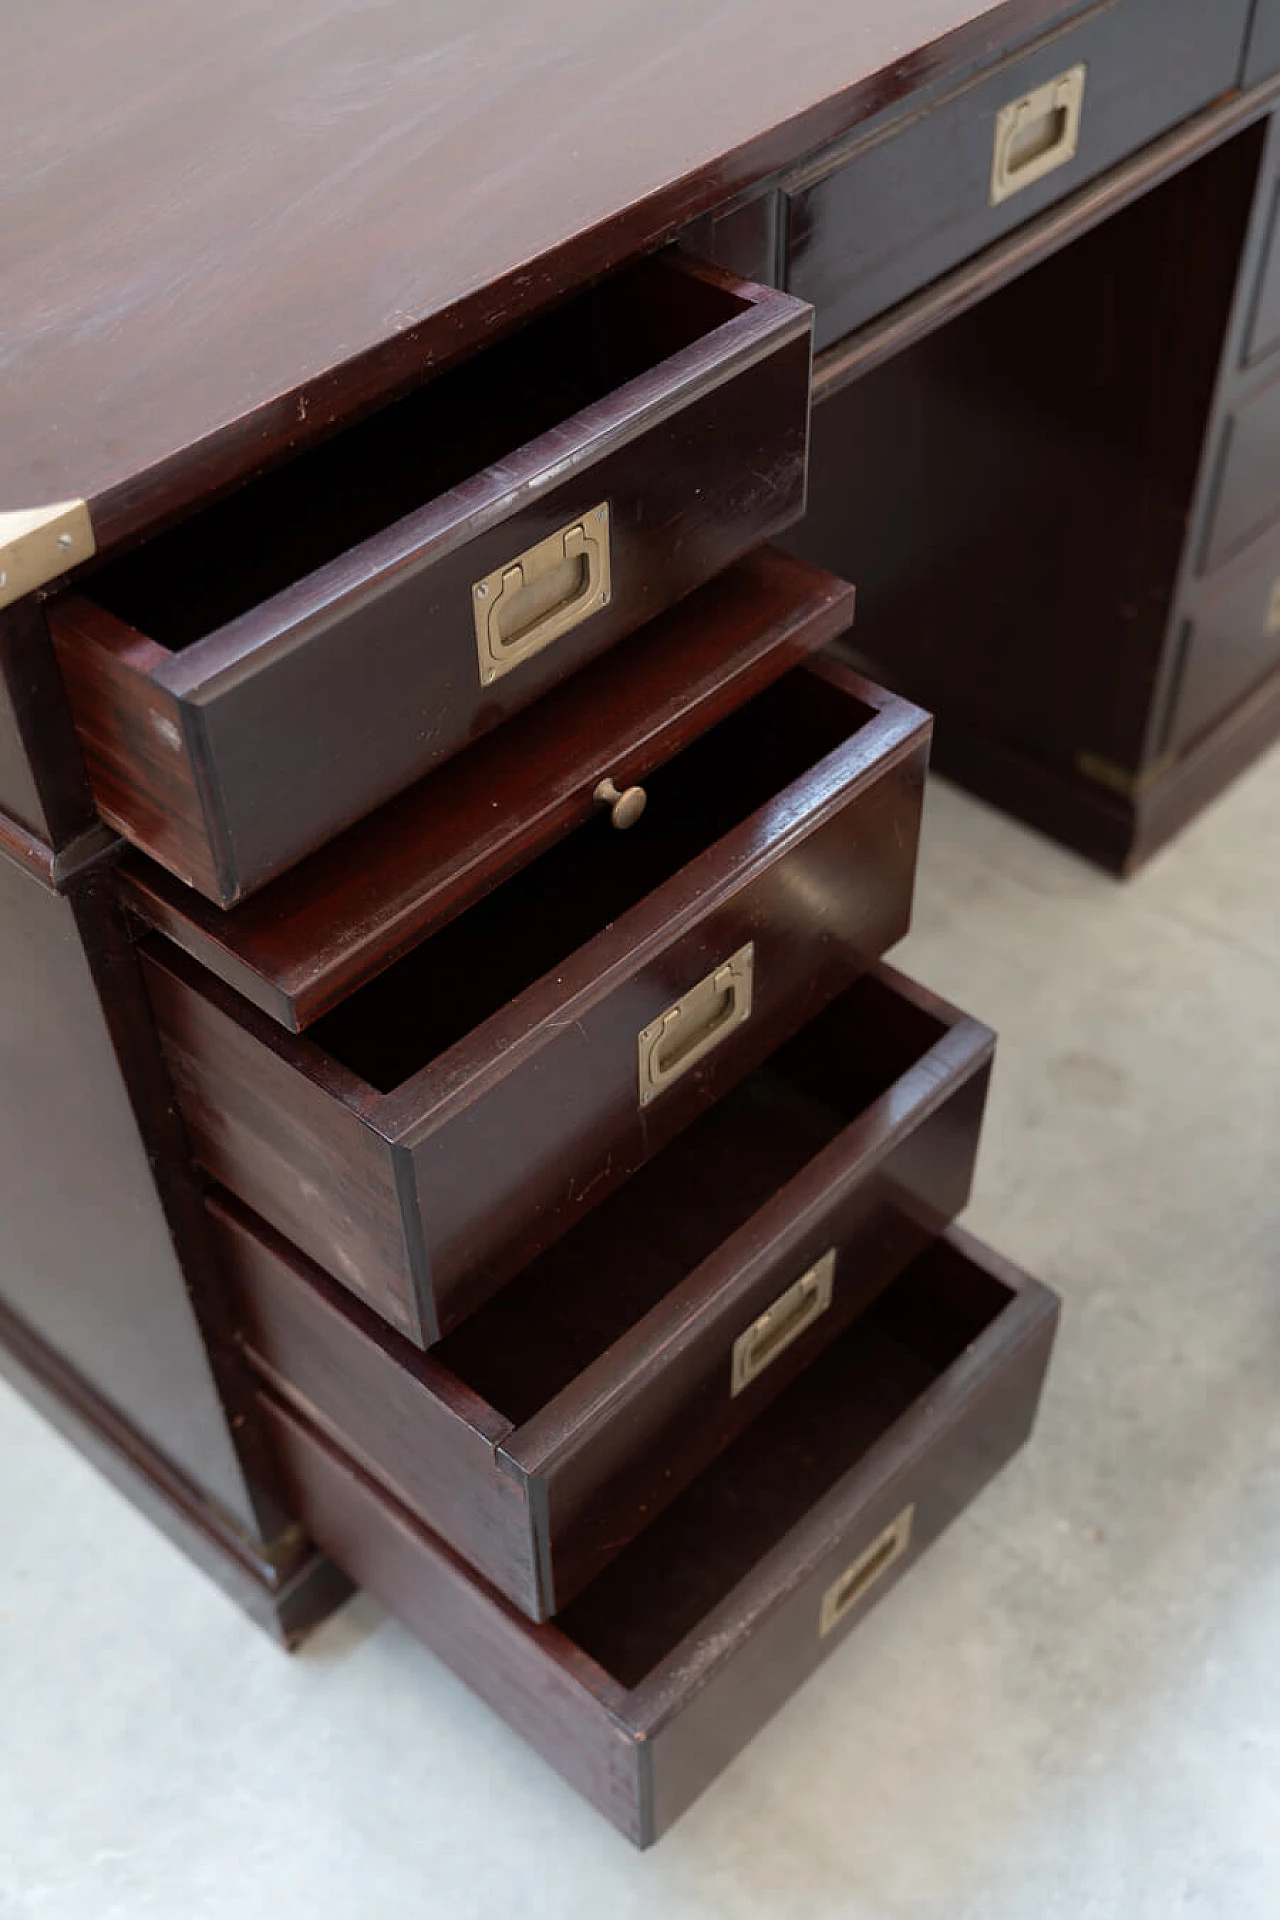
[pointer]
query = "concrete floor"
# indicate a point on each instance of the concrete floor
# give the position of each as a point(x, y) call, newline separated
point(1071, 1708)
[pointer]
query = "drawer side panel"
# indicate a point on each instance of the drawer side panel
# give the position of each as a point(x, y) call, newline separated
point(532, 1676)
point(287, 1146)
point(392, 1409)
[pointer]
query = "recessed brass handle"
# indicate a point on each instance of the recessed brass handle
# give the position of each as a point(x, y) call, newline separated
point(626, 807)
point(861, 1574)
point(1037, 133)
point(522, 606)
point(698, 1021)
point(781, 1325)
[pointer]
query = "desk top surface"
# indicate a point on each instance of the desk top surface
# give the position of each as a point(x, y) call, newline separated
point(225, 226)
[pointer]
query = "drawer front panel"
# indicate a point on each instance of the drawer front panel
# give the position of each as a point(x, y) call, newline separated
point(1246, 492)
point(939, 185)
point(316, 702)
point(1263, 315)
point(857, 1551)
point(1229, 641)
point(1264, 321)
point(492, 1149)
point(642, 1745)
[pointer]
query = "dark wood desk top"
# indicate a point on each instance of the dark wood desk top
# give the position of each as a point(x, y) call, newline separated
point(225, 226)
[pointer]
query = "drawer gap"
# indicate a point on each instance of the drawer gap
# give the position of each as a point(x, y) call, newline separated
point(529, 1341)
point(186, 583)
point(634, 1613)
point(465, 973)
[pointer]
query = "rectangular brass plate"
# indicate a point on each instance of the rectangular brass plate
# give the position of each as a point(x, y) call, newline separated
point(39, 543)
point(791, 1314)
point(1037, 133)
point(862, 1574)
point(698, 1021)
point(544, 593)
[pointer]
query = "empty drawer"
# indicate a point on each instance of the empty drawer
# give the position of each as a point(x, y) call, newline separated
point(449, 1119)
point(275, 667)
point(645, 1687)
point(572, 1407)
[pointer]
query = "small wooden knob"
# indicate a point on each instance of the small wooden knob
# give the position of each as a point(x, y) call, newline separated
point(624, 808)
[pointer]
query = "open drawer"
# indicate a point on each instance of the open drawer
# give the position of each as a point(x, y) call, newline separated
point(648, 1683)
point(572, 1407)
point(277, 665)
point(457, 1113)
point(299, 946)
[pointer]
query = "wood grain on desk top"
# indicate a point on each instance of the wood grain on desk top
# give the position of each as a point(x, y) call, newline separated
point(224, 227)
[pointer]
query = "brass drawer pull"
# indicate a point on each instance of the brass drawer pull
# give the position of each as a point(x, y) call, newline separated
point(1037, 133)
point(626, 807)
point(525, 604)
point(861, 1575)
point(791, 1314)
point(698, 1021)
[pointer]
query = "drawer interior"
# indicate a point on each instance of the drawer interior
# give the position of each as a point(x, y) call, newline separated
point(479, 962)
point(182, 585)
point(634, 1614)
point(526, 1343)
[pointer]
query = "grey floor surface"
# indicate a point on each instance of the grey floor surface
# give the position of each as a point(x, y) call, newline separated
point(1070, 1708)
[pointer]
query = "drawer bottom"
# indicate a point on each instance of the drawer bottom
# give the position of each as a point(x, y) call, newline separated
point(649, 1682)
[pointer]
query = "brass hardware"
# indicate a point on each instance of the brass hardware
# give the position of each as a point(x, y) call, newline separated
point(1130, 786)
point(39, 543)
point(861, 1574)
point(781, 1324)
point(1272, 625)
point(624, 808)
point(1036, 134)
point(698, 1021)
point(522, 606)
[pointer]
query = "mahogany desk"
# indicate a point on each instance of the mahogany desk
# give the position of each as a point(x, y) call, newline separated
point(1036, 241)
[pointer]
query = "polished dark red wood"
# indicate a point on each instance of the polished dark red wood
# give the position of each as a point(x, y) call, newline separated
point(236, 231)
point(662, 1669)
point(113, 1315)
point(456, 1114)
point(300, 945)
point(276, 667)
point(564, 1414)
point(43, 789)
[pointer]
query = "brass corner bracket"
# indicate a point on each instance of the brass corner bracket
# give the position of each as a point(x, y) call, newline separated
point(39, 543)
